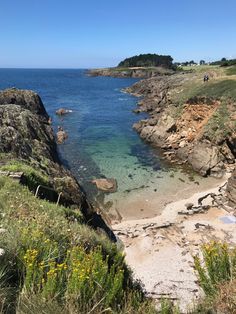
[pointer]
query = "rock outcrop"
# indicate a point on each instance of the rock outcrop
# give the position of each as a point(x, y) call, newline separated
point(231, 190)
point(135, 72)
point(184, 131)
point(26, 135)
point(61, 136)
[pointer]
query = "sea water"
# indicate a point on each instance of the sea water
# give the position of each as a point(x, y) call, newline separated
point(101, 141)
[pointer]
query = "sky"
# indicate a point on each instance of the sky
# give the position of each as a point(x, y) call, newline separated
point(101, 33)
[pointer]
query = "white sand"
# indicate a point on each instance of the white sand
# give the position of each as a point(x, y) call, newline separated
point(159, 249)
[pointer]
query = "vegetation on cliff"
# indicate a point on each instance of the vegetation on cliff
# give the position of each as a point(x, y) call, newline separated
point(217, 277)
point(52, 261)
point(147, 60)
point(192, 120)
point(27, 136)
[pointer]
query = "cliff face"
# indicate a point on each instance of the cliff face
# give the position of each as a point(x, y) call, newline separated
point(231, 189)
point(26, 135)
point(197, 130)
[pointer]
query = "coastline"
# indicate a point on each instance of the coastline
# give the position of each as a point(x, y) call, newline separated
point(150, 201)
point(155, 233)
point(173, 238)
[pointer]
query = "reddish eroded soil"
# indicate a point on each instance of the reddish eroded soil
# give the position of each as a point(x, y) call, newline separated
point(194, 118)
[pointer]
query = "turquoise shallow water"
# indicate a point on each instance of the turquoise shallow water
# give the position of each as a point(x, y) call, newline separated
point(101, 140)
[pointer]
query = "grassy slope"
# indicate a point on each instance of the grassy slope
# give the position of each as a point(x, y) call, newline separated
point(53, 262)
point(219, 87)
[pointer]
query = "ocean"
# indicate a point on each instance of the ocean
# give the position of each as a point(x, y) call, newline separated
point(101, 141)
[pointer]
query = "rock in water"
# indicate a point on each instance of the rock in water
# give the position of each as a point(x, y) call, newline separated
point(61, 136)
point(62, 111)
point(106, 185)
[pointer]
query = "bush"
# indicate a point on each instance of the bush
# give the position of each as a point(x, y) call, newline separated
point(217, 277)
point(219, 266)
point(54, 263)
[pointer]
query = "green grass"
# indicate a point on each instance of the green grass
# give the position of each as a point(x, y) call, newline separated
point(220, 126)
point(225, 89)
point(222, 89)
point(52, 262)
point(199, 68)
point(32, 177)
point(217, 277)
point(231, 71)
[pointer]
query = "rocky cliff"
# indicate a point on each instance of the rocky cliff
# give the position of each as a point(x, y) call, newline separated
point(26, 135)
point(197, 130)
point(231, 190)
point(27, 144)
point(135, 72)
point(193, 123)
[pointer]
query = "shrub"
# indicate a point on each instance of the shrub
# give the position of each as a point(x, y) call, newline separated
point(218, 266)
point(55, 263)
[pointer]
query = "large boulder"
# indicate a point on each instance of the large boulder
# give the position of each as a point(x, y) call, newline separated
point(26, 99)
point(108, 185)
point(163, 129)
point(231, 189)
point(206, 159)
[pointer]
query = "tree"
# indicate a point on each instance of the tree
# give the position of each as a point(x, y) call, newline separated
point(202, 62)
point(147, 60)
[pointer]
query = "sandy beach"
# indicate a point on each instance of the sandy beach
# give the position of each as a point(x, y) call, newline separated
point(150, 200)
point(160, 249)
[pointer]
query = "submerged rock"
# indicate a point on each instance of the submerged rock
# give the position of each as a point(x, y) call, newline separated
point(108, 185)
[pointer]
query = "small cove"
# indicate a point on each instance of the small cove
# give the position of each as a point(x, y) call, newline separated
point(101, 140)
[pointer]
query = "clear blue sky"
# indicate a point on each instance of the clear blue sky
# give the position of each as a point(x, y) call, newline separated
point(97, 33)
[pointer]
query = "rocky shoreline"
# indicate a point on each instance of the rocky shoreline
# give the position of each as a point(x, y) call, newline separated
point(27, 136)
point(174, 238)
point(27, 143)
point(135, 72)
point(182, 130)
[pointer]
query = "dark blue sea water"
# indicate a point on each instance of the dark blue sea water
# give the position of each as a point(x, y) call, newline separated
point(101, 140)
